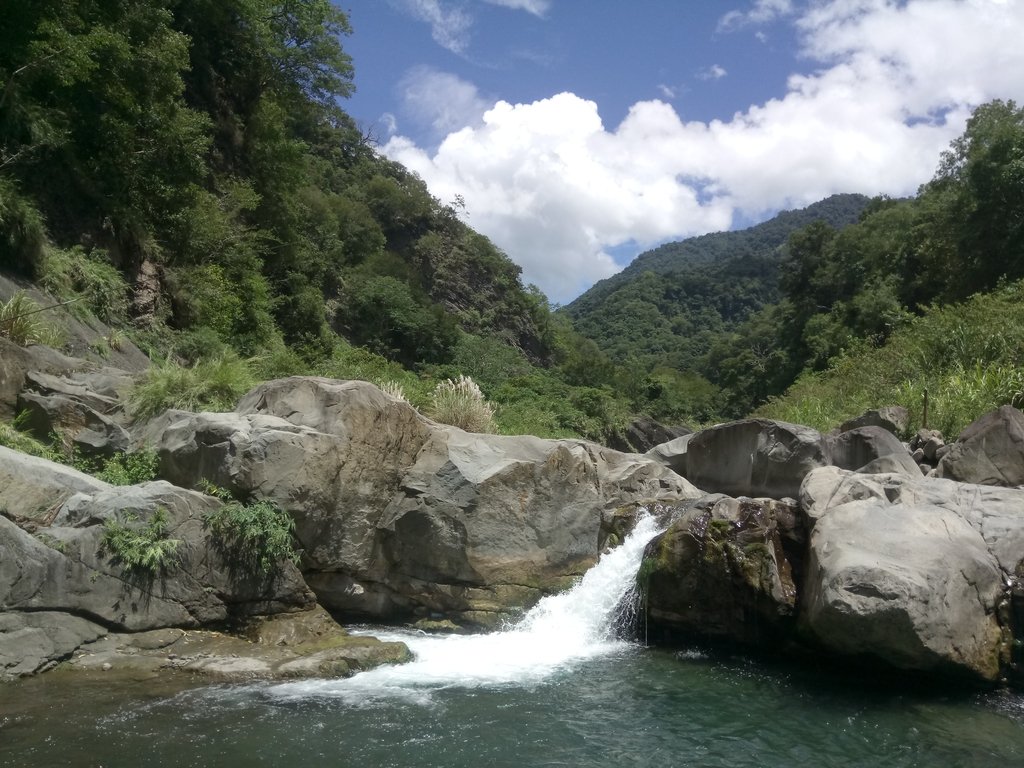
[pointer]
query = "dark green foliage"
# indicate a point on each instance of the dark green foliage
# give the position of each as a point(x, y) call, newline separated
point(382, 313)
point(22, 232)
point(142, 550)
point(206, 136)
point(852, 290)
point(256, 537)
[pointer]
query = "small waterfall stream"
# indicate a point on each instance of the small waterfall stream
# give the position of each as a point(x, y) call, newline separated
point(559, 631)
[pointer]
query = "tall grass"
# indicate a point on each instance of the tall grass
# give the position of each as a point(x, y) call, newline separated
point(213, 384)
point(22, 322)
point(460, 402)
point(968, 357)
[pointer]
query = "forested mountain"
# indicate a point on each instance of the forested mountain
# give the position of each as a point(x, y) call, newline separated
point(670, 304)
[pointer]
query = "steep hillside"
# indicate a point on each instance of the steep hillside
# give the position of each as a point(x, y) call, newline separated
point(195, 152)
point(671, 304)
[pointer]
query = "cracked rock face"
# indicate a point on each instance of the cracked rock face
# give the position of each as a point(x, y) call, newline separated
point(59, 564)
point(988, 451)
point(754, 457)
point(912, 571)
point(725, 569)
point(398, 515)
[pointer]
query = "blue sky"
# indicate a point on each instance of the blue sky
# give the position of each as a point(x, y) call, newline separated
point(582, 132)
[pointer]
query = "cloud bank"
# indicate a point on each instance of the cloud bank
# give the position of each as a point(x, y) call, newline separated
point(558, 190)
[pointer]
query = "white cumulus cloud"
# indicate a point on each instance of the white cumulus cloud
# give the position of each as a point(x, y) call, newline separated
point(558, 190)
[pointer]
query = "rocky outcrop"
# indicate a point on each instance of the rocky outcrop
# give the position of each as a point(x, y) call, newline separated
point(754, 457)
point(989, 451)
point(726, 569)
point(34, 642)
point(644, 434)
point(911, 571)
point(400, 516)
point(672, 454)
point(892, 418)
point(862, 448)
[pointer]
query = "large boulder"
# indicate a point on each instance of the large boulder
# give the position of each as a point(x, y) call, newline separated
point(672, 454)
point(65, 566)
point(990, 451)
point(754, 457)
point(87, 431)
point(643, 434)
point(33, 642)
point(892, 418)
point(33, 490)
point(16, 363)
point(726, 569)
point(398, 515)
point(862, 447)
point(911, 571)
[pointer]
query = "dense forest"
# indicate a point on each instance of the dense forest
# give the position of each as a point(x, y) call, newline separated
point(184, 171)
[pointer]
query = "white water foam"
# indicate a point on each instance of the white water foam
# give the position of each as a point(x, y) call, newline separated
point(560, 630)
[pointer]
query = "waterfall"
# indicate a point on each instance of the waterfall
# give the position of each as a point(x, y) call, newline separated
point(559, 631)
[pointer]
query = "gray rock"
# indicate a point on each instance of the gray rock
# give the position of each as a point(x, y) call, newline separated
point(724, 570)
point(990, 451)
point(33, 489)
point(911, 570)
point(643, 434)
point(893, 463)
point(672, 454)
point(34, 642)
point(64, 567)
point(90, 432)
point(892, 418)
point(857, 447)
point(399, 515)
point(17, 362)
point(754, 457)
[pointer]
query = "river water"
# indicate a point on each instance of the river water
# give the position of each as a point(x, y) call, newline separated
point(556, 690)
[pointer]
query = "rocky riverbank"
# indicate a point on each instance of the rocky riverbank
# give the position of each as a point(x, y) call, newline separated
point(854, 545)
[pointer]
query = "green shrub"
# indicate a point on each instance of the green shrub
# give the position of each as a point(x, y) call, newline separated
point(215, 384)
point(256, 537)
point(460, 402)
point(144, 551)
point(22, 231)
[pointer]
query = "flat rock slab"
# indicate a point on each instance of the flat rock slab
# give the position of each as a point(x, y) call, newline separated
point(226, 657)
